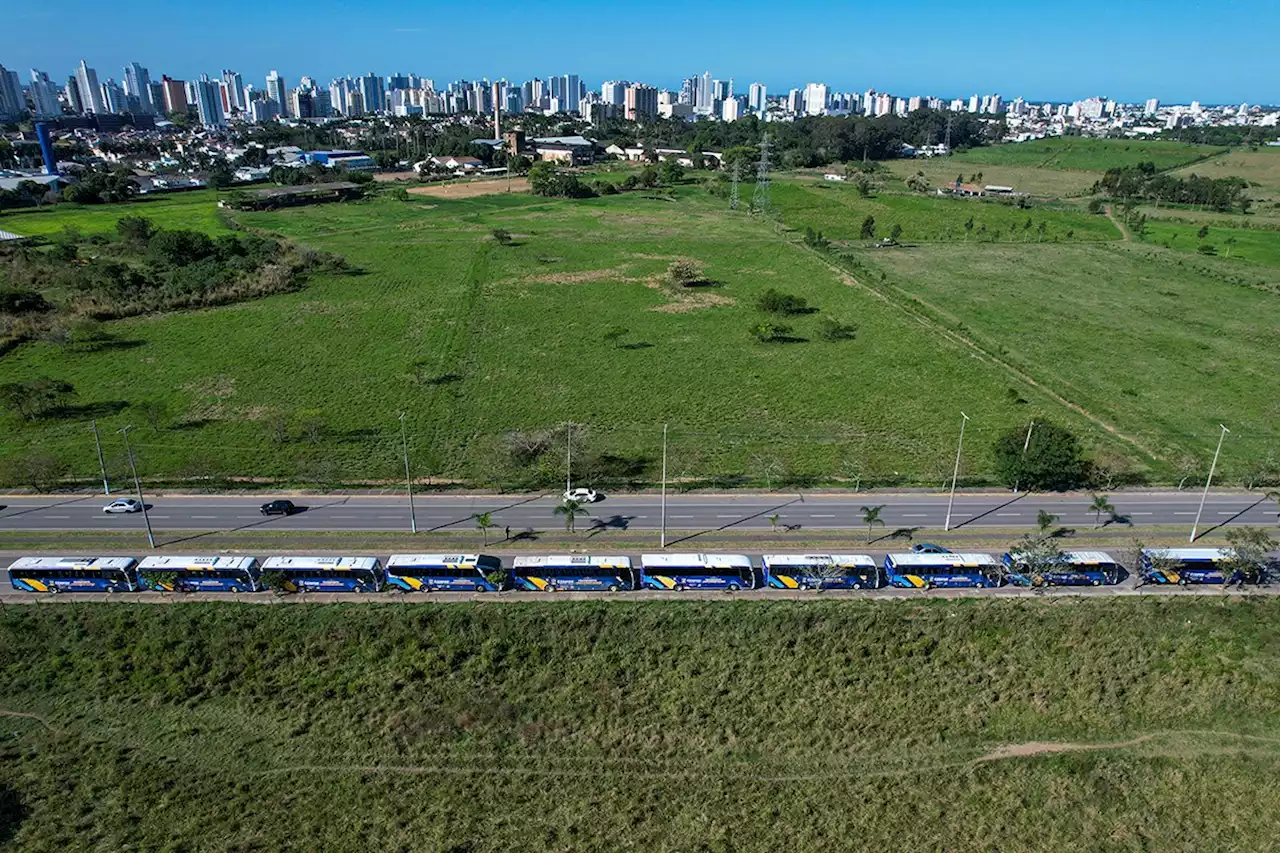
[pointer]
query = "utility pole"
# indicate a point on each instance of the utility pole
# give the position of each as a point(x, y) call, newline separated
point(956, 473)
point(146, 519)
point(1205, 493)
point(568, 458)
point(102, 466)
point(1025, 445)
point(663, 539)
point(408, 480)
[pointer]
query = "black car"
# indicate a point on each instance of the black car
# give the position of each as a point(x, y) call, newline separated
point(278, 508)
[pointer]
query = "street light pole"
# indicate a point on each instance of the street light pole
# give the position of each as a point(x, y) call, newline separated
point(1205, 493)
point(137, 484)
point(663, 540)
point(102, 466)
point(956, 473)
point(408, 480)
point(568, 459)
point(1025, 445)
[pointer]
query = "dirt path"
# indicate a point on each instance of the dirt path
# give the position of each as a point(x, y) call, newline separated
point(25, 716)
point(934, 326)
point(1125, 236)
point(473, 188)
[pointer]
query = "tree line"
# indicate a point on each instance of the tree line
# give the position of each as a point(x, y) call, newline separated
point(1144, 182)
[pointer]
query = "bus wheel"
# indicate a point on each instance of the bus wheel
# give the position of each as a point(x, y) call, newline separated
point(678, 587)
point(613, 587)
point(1182, 582)
point(1097, 583)
point(550, 588)
point(481, 588)
point(733, 587)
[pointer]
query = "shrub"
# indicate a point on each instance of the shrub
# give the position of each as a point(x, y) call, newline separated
point(831, 329)
point(684, 273)
point(1051, 461)
point(767, 333)
point(776, 302)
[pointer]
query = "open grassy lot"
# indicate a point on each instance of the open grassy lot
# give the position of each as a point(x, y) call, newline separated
point(196, 209)
point(472, 339)
point(1086, 154)
point(837, 210)
point(1259, 247)
point(1043, 183)
point(1161, 346)
point(662, 727)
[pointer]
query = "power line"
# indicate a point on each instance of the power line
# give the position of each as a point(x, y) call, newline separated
point(760, 198)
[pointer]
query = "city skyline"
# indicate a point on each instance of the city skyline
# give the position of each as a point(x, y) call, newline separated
point(1042, 55)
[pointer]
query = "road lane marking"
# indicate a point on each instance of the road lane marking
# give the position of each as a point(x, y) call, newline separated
point(1009, 514)
point(205, 517)
point(915, 515)
point(57, 516)
point(823, 516)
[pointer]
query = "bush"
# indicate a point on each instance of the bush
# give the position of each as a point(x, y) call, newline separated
point(1051, 462)
point(685, 273)
point(831, 329)
point(17, 300)
point(767, 333)
point(776, 302)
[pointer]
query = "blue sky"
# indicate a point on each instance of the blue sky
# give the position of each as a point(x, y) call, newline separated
point(1176, 50)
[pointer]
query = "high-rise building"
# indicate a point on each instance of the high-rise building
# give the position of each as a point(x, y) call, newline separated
point(973, 103)
point(815, 99)
point(72, 93)
point(44, 95)
point(572, 89)
point(278, 91)
point(137, 85)
point(704, 99)
point(12, 102)
point(795, 102)
point(209, 102)
point(233, 86)
point(733, 109)
point(175, 94)
point(720, 89)
point(373, 93)
point(756, 98)
point(641, 102)
point(90, 91)
point(688, 90)
point(113, 97)
point(1153, 107)
point(914, 103)
point(613, 92)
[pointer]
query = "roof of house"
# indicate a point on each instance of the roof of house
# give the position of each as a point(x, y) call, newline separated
point(574, 141)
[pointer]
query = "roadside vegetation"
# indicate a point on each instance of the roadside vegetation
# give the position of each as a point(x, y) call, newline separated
point(680, 726)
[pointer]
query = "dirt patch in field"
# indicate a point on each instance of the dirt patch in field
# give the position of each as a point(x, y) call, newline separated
point(691, 301)
point(472, 189)
point(583, 277)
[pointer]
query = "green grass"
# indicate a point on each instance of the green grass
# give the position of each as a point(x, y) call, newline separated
point(1260, 248)
point(1089, 155)
point(1161, 346)
point(662, 727)
point(1052, 183)
point(837, 211)
point(195, 209)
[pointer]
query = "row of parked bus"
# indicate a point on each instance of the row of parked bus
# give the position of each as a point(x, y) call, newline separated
point(482, 573)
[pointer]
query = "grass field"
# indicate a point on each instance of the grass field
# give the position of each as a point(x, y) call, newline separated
point(1259, 247)
point(194, 209)
point(1042, 183)
point(1099, 324)
point(1086, 154)
point(670, 727)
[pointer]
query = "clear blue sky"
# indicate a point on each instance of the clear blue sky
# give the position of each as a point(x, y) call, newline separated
point(1177, 50)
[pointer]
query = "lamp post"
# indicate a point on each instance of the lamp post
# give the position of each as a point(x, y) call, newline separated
point(137, 484)
point(102, 466)
point(663, 536)
point(408, 480)
point(956, 473)
point(1205, 493)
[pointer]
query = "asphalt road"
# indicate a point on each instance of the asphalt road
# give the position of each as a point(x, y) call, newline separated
point(698, 512)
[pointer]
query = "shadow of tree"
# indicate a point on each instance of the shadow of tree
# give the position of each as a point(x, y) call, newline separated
point(13, 812)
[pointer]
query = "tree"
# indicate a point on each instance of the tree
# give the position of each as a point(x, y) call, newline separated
point(864, 184)
point(871, 518)
point(177, 247)
point(774, 301)
point(968, 227)
point(821, 574)
point(767, 333)
point(221, 176)
point(1250, 549)
point(484, 521)
point(39, 469)
point(1095, 206)
point(1230, 241)
point(773, 522)
point(1203, 232)
point(1034, 558)
point(570, 509)
point(502, 236)
point(275, 582)
point(832, 329)
point(135, 230)
point(1099, 507)
point(614, 335)
point(18, 300)
point(1051, 462)
point(33, 397)
point(685, 273)
point(895, 232)
point(868, 228)
point(1045, 521)
point(156, 412)
point(671, 171)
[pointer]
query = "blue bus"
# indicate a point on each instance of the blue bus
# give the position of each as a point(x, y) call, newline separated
point(1183, 565)
point(1077, 568)
point(820, 571)
point(442, 572)
point(573, 572)
point(198, 574)
point(696, 571)
point(73, 574)
point(324, 574)
point(925, 571)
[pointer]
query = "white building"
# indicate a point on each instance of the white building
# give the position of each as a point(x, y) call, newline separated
point(44, 95)
point(974, 101)
point(756, 95)
point(90, 91)
point(815, 99)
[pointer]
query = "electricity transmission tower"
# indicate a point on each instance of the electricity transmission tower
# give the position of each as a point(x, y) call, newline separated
point(948, 133)
point(733, 186)
point(760, 198)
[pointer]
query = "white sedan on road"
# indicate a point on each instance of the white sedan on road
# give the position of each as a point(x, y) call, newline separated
point(123, 505)
point(582, 496)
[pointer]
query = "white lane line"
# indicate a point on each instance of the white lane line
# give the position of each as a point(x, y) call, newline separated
point(718, 516)
point(398, 517)
point(815, 515)
point(205, 517)
point(915, 515)
point(1009, 514)
point(57, 516)
point(1184, 513)
point(347, 516)
point(153, 515)
point(690, 516)
point(244, 517)
point(1142, 513)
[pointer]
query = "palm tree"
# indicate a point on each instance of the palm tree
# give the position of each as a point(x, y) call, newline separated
point(484, 521)
point(1045, 521)
point(1098, 507)
point(570, 510)
point(773, 521)
point(871, 517)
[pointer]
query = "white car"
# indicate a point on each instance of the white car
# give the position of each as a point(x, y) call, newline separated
point(123, 505)
point(582, 496)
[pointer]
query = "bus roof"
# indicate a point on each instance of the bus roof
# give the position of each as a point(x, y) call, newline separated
point(176, 563)
point(712, 561)
point(336, 564)
point(1189, 555)
point(949, 561)
point(120, 563)
point(467, 560)
point(570, 560)
point(1088, 558)
point(855, 560)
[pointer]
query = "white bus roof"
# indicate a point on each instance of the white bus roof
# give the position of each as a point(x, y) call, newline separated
point(464, 560)
point(1088, 558)
point(953, 561)
point(1194, 555)
point(331, 563)
point(203, 563)
point(72, 563)
point(571, 560)
point(846, 560)
point(711, 561)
